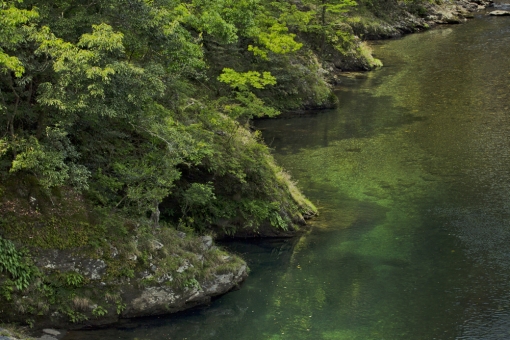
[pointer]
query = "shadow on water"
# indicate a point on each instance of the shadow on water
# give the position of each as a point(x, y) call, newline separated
point(353, 119)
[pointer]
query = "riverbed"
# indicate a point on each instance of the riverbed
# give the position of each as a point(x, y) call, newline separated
point(411, 175)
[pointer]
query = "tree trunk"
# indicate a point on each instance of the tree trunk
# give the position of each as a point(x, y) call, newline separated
point(155, 214)
point(323, 19)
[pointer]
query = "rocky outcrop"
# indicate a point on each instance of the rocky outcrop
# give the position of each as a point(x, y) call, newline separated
point(159, 272)
point(162, 299)
point(153, 291)
point(67, 261)
point(409, 19)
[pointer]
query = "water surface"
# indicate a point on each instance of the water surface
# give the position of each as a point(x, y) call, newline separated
point(412, 177)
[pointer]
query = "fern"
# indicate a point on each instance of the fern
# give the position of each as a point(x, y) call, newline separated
point(15, 263)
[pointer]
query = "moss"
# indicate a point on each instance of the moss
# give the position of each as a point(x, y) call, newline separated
point(304, 205)
point(115, 239)
point(366, 53)
point(50, 233)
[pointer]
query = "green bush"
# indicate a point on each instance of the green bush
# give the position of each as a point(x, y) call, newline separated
point(15, 263)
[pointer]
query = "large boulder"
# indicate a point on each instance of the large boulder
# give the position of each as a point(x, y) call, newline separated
point(159, 272)
point(163, 299)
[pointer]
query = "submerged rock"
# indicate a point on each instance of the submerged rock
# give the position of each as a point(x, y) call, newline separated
point(50, 331)
point(499, 13)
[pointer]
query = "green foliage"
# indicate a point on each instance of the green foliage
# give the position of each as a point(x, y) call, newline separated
point(73, 279)
point(53, 232)
point(4, 146)
point(246, 105)
point(241, 81)
point(329, 23)
point(16, 265)
point(277, 221)
point(93, 78)
point(192, 284)
point(338, 7)
point(198, 194)
point(13, 330)
point(120, 307)
point(290, 15)
point(53, 163)
point(271, 31)
point(99, 311)
point(277, 40)
point(14, 30)
point(6, 289)
point(114, 109)
point(75, 317)
point(365, 51)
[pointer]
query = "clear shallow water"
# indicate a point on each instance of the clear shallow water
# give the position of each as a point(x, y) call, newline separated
point(412, 177)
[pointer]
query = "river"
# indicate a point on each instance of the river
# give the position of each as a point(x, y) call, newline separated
point(412, 178)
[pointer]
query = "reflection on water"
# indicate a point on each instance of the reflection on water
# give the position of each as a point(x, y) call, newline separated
point(412, 177)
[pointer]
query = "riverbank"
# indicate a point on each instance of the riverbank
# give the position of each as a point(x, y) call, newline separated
point(410, 173)
point(100, 266)
point(369, 23)
point(394, 21)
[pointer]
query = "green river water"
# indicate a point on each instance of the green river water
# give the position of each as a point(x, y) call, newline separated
point(412, 178)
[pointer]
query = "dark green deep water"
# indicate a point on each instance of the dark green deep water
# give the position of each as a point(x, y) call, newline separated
point(412, 178)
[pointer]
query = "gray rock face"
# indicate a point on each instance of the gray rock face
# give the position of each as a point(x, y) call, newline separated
point(152, 300)
point(499, 13)
point(156, 245)
point(223, 283)
point(51, 331)
point(92, 268)
point(162, 299)
point(444, 16)
point(207, 242)
point(64, 261)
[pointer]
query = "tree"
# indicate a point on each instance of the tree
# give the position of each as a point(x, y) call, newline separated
point(329, 22)
point(111, 98)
